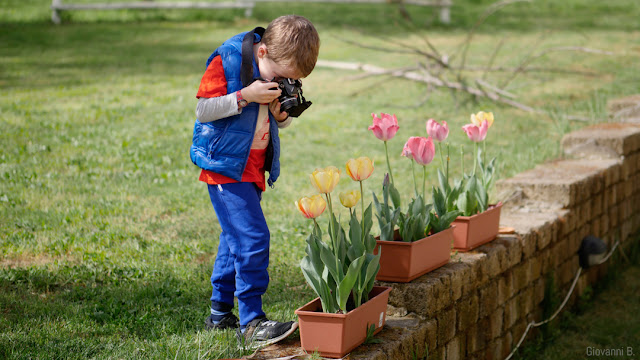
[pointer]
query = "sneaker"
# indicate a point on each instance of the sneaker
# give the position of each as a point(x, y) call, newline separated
point(262, 332)
point(229, 321)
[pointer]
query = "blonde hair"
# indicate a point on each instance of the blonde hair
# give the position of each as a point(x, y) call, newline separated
point(293, 41)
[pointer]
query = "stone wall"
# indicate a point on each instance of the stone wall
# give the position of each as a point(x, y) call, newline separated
point(478, 305)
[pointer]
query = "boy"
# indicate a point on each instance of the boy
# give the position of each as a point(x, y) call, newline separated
point(235, 140)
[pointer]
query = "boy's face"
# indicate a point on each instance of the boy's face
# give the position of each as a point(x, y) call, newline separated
point(270, 70)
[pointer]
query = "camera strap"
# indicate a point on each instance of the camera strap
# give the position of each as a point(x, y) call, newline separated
point(246, 75)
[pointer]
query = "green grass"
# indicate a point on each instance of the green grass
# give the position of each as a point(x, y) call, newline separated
point(107, 239)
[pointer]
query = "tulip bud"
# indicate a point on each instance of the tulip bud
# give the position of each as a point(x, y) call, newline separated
point(477, 119)
point(349, 199)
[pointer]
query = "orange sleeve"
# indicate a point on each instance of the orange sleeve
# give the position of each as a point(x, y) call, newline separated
point(213, 82)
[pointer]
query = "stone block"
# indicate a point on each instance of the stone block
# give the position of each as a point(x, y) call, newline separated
point(513, 245)
point(525, 305)
point(488, 297)
point(566, 272)
point(595, 227)
point(626, 230)
point(627, 168)
point(538, 291)
point(431, 334)
point(604, 224)
point(459, 276)
point(446, 325)
point(576, 242)
point(496, 256)
point(584, 213)
point(496, 322)
point(467, 312)
point(562, 182)
point(620, 192)
point(493, 350)
point(456, 348)
point(521, 276)
point(528, 241)
point(476, 336)
point(505, 288)
point(510, 313)
point(535, 270)
point(546, 257)
point(626, 209)
point(610, 196)
point(612, 175)
point(596, 205)
point(507, 344)
point(613, 216)
point(621, 138)
point(475, 277)
point(624, 107)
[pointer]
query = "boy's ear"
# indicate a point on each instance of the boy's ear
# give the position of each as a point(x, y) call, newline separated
point(262, 50)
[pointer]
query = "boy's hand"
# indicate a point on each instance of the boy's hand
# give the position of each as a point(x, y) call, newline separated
point(261, 92)
point(274, 106)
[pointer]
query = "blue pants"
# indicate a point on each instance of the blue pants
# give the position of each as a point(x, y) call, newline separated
point(241, 264)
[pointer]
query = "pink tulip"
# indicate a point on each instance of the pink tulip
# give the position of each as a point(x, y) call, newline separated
point(476, 133)
point(422, 149)
point(384, 128)
point(436, 131)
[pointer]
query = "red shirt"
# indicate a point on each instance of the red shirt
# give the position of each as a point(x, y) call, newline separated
point(214, 84)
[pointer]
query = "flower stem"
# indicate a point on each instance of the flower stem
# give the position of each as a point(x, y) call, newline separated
point(362, 207)
point(334, 238)
point(462, 158)
point(484, 152)
point(475, 157)
point(424, 179)
point(413, 171)
point(441, 154)
point(448, 159)
point(386, 152)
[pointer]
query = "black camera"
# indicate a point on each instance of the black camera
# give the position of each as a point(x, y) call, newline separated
point(291, 99)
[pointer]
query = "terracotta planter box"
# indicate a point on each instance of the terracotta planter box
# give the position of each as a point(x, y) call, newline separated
point(404, 261)
point(336, 335)
point(473, 231)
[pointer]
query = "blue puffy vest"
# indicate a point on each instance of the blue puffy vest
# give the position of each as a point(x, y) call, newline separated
point(223, 146)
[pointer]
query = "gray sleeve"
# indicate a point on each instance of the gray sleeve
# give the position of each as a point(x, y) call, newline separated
point(284, 123)
point(210, 109)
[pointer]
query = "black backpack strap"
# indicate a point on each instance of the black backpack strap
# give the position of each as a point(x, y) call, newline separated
point(247, 55)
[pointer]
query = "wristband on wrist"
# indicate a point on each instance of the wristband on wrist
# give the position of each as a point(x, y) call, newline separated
point(241, 101)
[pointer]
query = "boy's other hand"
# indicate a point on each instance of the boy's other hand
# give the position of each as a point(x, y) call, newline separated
point(261, 92)
point(274, 106)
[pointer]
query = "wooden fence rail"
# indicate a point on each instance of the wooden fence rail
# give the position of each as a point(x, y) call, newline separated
point(57, 6)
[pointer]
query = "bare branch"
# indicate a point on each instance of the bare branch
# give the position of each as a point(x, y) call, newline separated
point(493, 57)
point(490, 11)
point(485, 84)
point(554, 49)
point(529, 69)
point(425, 78)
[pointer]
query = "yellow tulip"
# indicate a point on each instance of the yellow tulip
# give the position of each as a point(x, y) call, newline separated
point(360, 169)
point(311, 207)
point(349, 199)
point(477, 119)
point(325, 180)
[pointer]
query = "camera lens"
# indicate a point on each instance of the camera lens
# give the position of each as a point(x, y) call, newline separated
point(287, 103)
